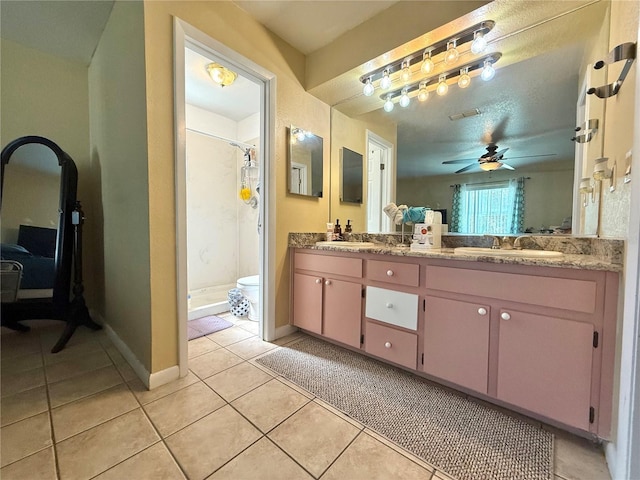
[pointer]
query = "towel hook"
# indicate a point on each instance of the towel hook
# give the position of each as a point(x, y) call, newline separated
point(624, 51)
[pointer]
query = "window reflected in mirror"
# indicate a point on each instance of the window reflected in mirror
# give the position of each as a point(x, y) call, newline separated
point(350, 176)
point(305, 162)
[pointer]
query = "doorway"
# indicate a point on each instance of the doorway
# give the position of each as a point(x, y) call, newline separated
point(380, 182)
point(212, 145)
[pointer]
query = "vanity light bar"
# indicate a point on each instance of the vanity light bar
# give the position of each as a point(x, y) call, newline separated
point(477, 64)
point(460, 38)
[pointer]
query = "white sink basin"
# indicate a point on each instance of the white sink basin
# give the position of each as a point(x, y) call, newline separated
point(346, 244)
point(507, 253)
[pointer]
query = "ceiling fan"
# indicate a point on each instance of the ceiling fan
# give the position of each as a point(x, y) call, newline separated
point(491, 160)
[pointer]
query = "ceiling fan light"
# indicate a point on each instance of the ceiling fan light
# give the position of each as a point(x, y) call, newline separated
point(388, 105)
point(452, 54)
point(442, 87)
point(488, 72)
point(423, 93)
point(368, 88)
point(404, 99)
point(465, 80)
point(385, 82)
point(490, 166)
point(479, 43)
point(427, 62)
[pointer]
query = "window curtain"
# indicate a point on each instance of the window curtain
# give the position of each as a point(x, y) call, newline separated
point(495, 207)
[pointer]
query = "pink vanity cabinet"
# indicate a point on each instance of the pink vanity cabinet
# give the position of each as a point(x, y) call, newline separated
point(537, 338)
point(327, 296)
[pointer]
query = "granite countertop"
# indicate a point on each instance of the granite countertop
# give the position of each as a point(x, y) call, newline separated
point(607, 256)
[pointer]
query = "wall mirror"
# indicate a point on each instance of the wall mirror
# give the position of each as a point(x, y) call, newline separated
point(305, 162)
point(531, 108)
point(41, 237)
point(350, 176)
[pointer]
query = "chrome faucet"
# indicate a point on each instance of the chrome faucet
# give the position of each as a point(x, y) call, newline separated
point(503, 243)
point(517, 241)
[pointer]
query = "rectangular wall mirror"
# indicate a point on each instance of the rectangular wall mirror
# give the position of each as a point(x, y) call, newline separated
point(350, 176)
point(305, 162)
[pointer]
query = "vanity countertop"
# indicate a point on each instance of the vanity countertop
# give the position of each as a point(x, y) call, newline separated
point(567, 260)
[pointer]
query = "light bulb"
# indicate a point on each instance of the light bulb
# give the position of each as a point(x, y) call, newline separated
point(479, 43)
point(427, 63)
point(489, 166)
point(385, 83)
point(388, 105)
point(368, 88)
point(423, 93)
point(300, 135)
point(465, 80)
point(451, 56)
point(404, 99)
point(406, 73)
point(442, 87)
point(488, 72)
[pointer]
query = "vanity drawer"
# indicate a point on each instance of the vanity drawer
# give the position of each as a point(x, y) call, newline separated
point(391, 272)
point(391, 344)
point(350, 267)
point(565, 293)
point(390, 306)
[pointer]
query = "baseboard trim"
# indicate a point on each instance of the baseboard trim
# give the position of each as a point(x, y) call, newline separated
point(285, 330)
point(157, 379)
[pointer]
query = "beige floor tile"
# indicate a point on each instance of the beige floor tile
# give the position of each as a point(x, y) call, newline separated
point(105, 445)
point(251, 347)
point(39, 466)
point(249, 326)
point(177, 410)
point(153, 463)
point(579, 459)
point(269, 404)
point(126, 372)
point(114, 354)
point(337, 412)
point(86, 413)
point(237, 381)
point(82, 334)
point(147, 396)
point(16, 344)
point(316, 451)
point(12, 383)
point(24, 404)
point(400, 450)
point(203, 447)
point(289, 338)
point(22, 363)
point(368, 459)
point(25, 438)
point(201, 345)
point(213, 362)
point(297, 388)
point(441, 476)
point(76, 366)
point(229, 335)
point(72, 352)
point(261, 461)
point(83, 385)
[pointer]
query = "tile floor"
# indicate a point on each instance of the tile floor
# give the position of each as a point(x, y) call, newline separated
point(82, 414)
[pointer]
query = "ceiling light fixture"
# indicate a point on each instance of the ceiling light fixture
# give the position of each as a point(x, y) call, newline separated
point(451, 56)
point(428, 57)
point(479, 43)
point(490, 166)
point(406, 72)
point(404, 98)
point(368, 88)
point(442, 87)
point(423, 93)
point(221, 75)
point(388, 105)
point(465, 80)
point(488, 72)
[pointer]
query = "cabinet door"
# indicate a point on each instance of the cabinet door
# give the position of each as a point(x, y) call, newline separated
point(307, 302)
point(456, 342)
point(544, 365)
point(342, 311)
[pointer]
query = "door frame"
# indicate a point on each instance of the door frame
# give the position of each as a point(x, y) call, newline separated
point(185, 35)
point(389, 185)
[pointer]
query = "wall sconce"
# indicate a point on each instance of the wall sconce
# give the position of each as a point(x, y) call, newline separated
point(601, 171)
point(299, 135)
point(585, 188)
point(447, 48)
point(221, 75)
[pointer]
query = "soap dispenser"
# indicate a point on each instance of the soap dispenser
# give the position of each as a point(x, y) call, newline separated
point(347, 231)
point(337, 230)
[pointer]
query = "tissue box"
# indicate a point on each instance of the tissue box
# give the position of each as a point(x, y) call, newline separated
point(426, 236)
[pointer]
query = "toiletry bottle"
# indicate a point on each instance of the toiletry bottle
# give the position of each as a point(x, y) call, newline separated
point(329, 231)
point(347, 231)
point(337, 230)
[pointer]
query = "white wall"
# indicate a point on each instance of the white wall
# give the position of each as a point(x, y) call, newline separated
point(222, 240)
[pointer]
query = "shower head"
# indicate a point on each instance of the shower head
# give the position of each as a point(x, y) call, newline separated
point(236, 145)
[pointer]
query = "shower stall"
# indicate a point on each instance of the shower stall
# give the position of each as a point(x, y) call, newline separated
point(222, 200)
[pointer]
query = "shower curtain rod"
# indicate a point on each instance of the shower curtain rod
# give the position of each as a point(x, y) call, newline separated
point(220, 137)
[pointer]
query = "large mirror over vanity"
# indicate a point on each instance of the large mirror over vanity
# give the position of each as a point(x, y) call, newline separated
point(527, 113)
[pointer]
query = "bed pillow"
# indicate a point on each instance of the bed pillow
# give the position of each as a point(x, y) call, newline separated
point(13, 249)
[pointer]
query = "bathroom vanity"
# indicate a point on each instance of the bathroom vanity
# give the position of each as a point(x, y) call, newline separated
point(536, 335)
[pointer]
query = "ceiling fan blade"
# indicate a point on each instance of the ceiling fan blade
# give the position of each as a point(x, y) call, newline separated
point(461, 160)
point(464, 169)
point(500, 152)
point(531, 156)
point(508, 167)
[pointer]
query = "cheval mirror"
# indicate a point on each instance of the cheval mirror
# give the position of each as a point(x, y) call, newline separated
point(41, 237)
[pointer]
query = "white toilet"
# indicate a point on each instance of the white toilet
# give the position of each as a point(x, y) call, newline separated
point(250, 288)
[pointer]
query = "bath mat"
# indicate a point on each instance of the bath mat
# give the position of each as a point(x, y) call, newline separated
point(467, 440)
point(206, 325)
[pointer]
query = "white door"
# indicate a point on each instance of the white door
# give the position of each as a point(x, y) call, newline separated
point(380, 182)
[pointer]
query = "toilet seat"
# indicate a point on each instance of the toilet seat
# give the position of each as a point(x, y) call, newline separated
point(250, 281)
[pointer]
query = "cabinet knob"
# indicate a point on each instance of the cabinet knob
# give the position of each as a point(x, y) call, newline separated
point(390, 273)
point(389, 305)
point(482, 311)
point(327, 282)
point(318, 281)
point(505, 316)
point(387, 345)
